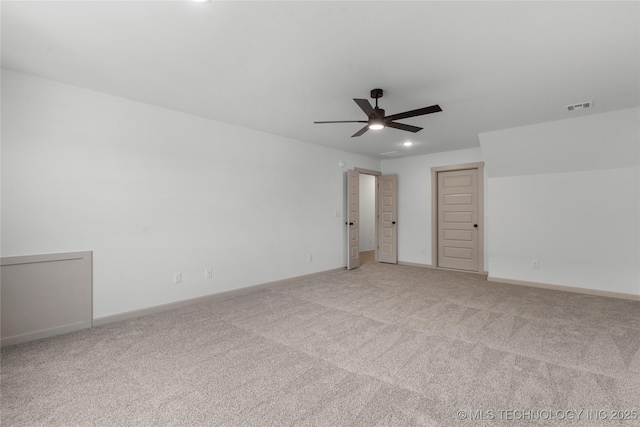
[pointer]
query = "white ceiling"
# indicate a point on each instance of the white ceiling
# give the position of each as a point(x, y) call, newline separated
point(280, 66)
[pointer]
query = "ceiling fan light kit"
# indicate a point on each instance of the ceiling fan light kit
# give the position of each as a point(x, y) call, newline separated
point(378, 120)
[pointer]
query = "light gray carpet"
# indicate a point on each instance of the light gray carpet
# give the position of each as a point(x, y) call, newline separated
point(381, 345)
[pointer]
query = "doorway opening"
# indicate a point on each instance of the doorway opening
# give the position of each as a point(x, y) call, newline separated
point(384, 236)
point(367, 218)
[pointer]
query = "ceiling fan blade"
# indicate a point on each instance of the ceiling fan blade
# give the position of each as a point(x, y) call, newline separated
point(402, 126)
point(419, 112)
point(361, 131)
point(366, 106)
point(345, 121)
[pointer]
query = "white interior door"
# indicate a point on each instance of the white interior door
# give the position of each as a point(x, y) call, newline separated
point(458, 207)
point(353, 220)
point(388, 211)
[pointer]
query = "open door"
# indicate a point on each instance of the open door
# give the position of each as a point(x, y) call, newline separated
point(353, 225)
point(388, 211)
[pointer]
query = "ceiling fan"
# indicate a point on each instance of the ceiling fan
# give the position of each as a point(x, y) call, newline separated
point(377, 119)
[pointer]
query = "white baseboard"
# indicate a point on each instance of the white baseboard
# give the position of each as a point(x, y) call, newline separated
point(103, 320)
point(588, 291)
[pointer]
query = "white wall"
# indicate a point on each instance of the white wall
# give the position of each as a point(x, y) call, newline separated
point(367, 212)
point(581, 226)
point(414, 200)
point(597, 141)
point(578, 212)
point(153, 192)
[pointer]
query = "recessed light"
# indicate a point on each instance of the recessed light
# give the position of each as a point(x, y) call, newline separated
point(407, 143)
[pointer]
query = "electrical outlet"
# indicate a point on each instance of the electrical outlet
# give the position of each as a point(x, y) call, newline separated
point(310, 258)
point(177, 278)
point(535, 263)
point(208, 273)
point(338, 214)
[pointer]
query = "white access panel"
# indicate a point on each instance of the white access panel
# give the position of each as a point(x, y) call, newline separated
point(45, 295)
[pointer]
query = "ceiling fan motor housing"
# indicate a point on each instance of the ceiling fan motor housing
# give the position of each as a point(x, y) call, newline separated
point(376, 93)
point(378, 113)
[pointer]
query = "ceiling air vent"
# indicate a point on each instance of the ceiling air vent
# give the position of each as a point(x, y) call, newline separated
point(386, 153)
point(579, 106)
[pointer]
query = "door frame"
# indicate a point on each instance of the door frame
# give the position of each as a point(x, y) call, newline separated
point(377, 175)
point(434, 211)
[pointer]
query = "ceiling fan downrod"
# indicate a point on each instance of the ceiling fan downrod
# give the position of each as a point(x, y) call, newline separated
point(375, 94)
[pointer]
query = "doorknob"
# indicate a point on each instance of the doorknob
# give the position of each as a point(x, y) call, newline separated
point(475, 225)
point(350, 223)
point(393, 222)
